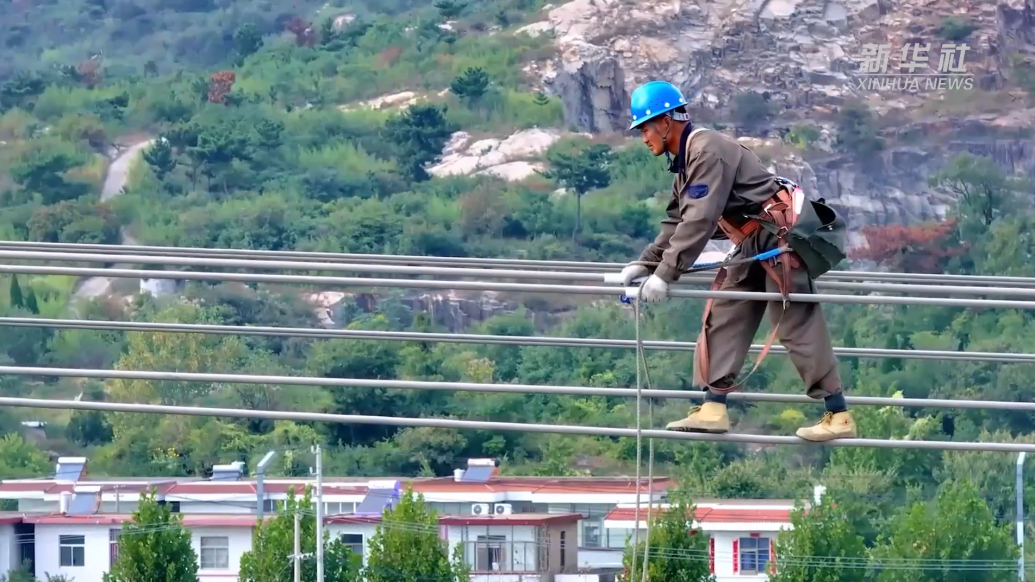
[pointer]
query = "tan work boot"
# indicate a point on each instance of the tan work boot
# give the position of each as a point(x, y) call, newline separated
point(709, 417)
point(835, 425)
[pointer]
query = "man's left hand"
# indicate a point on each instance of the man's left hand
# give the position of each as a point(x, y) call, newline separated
point(654, 289)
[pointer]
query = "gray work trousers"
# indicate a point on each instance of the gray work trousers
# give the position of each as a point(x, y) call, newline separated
point(732, 325)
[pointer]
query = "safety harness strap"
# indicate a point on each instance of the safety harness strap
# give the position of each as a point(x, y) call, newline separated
point(782, 211)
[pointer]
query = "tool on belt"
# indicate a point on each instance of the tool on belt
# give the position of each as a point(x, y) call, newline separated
point(812, 235)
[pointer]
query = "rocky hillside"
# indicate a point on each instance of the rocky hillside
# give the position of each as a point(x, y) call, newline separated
point(802, 57)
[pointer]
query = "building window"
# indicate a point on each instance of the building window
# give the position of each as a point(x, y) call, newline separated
point(215, 553)
point(754, 555)
point(113, 545)
point(490, 554)
point(73, 551)
point(337, 508)
point(353, 542)
point(591, 532)
point(564, 549)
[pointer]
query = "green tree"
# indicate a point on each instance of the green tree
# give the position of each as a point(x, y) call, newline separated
point(270, 133)
point(24, 574)
point(751, 110)
point(247, 40)
point(20, 89)
point(419, 135)
point(17, 299)
point(826, 531)
point(581, 170)
point(160, 157)
point(471, 85)
point(856, 130)
point(42, 170)
point(672, 545)
point(407, 547)
point(19, 459)
point(31, 303)
point(274, 539)
point(984, 191)
point(449, 9)
point(956, 29)
point(154, 547)
point(89, 427)
point(957, 526)
point(359, 359)
point(218, 146)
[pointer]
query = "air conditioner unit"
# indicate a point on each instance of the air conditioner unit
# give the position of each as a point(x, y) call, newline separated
point(481, 509)
point(502, 509)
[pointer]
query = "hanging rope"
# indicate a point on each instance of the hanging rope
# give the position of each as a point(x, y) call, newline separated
point(641, 359)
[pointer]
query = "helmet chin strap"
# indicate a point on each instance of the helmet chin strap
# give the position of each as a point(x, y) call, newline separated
point(664, 142)
point(674, 115)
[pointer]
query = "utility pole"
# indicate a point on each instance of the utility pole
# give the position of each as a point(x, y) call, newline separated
point(1020, 514)
point(298, 546)
point(260, 491)
point(319, 513)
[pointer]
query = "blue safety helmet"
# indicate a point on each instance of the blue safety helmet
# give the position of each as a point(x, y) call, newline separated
point(653, 99)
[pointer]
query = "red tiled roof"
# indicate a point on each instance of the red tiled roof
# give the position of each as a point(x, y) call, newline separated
point(729, 514)
point(562, 485)
point(189, 520)
point(541, 485)
point(460, 520)
point(511, 519)
point(361, 519)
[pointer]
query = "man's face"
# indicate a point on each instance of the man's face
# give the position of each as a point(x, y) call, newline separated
point(652, 133)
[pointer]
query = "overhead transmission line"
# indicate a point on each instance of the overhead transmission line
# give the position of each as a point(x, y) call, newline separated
point(476, 387)
point(484, 286)
point(409, 270)
point(481, 339)
point(508, 426)
point(545, 288)
point(488, 263)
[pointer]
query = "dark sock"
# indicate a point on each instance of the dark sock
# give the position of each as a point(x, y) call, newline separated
point(710, 396)
point(836, 402)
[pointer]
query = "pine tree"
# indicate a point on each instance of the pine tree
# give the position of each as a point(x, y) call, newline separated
point(17, 300)
point(30, 302)
point(407, 547)
point(160, 157)
point(471, 85)
point(671, 541)
point(449, 9)
point(275, 539)
point(826, 530)
point(154, 547)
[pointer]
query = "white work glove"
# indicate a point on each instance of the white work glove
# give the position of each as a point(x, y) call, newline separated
point(633, 272)
point(654, 289)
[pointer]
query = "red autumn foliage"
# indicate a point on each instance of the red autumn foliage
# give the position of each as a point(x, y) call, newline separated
point(303, 31)
point(89, 73)
point(923, 248)
point(389, 56)
point(219, 85)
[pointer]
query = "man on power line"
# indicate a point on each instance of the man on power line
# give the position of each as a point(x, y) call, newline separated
point(722, 191)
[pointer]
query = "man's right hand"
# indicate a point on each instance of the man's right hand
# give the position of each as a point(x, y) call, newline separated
point(633, 272)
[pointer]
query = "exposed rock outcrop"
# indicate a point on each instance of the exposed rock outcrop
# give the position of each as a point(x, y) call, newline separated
point(513, 158)
point(801, 53)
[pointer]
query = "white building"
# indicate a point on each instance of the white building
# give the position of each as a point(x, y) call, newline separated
point(516, 529)
point(742, 533)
